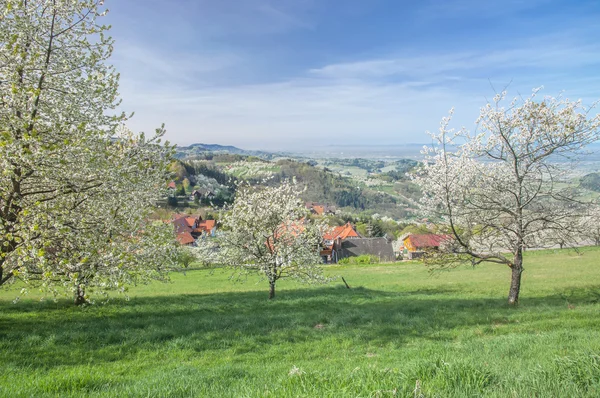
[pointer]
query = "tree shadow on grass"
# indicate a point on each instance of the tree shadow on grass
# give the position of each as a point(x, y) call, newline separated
point(51, 335)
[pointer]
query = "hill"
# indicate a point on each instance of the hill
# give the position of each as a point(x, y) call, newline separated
point(195, 150)
point(591, 182)
point(385, 190)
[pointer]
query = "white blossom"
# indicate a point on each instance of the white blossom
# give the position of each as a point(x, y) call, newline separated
point(502, 188)
point(76, 186)
point(266, 230)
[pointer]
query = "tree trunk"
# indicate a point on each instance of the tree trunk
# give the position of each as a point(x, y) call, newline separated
point(515, 281)
point(271, 290)
point(80, 295)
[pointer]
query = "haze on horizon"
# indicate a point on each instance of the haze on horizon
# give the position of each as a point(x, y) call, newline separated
point(289, 74)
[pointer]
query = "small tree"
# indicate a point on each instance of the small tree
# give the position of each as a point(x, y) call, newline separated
point(186, 186)
point(266, 231)
point(501, 189)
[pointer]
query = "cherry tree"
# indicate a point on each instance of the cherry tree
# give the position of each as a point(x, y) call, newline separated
point(75, 185)
point(266, 230)
point(505, 188)
point(590, 225)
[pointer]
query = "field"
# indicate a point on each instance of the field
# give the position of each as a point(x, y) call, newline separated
point(399, 331)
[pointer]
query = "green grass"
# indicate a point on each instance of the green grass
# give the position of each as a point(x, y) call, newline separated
point(398, 332)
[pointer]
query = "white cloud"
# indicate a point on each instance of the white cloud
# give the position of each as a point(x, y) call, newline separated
point(542, 53)
point(392, 99)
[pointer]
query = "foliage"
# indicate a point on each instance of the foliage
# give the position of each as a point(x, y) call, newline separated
point(266, 230)
point(362, 259)
point(250, 169)
point(415, 229)
point(205, 169)
point(172, 201)
point(403, 166)
point(76, 186)
point(178, 170)
point(500, 190)
point(185, 257)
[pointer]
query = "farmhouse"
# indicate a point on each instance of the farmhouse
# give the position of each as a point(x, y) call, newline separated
point(345, 241)
point(415, 245)
point(320, 209)
point(189, 228)
point(378, 247)
point(332, 241)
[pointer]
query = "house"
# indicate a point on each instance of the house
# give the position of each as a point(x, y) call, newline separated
point(415, 245)
point(377, 247)
point(172, 185)
point(206, 227)
point(210, 194)
point(185, 238)
point(320, 209)
point(196, 194)
point(189, 228)
point(332, 241)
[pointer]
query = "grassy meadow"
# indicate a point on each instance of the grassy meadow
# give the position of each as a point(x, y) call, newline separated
point(400, 331)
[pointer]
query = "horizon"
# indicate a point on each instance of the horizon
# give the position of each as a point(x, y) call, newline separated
point(283, 74)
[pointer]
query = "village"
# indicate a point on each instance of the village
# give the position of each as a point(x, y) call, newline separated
point(339, 242)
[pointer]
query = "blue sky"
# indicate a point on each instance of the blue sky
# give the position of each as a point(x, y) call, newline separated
point(286, 74)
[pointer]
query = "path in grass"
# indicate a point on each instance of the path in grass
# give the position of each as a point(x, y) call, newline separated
point(203, 336)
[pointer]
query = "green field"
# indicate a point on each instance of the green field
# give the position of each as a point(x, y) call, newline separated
point(398, 332)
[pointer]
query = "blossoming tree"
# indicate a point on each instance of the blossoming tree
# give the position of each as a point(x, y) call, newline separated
point(266, 231)
point(590, 225)
point(504, 188)
point(75, 185)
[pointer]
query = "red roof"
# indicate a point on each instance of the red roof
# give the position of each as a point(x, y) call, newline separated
point(185, 238)
point(186, 225)
point(427, 240)
point(342, 232)
point(190, 221)
point(172, 185)
point(205, 226)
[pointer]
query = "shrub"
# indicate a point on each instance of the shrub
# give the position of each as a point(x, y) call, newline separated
point(364, 259)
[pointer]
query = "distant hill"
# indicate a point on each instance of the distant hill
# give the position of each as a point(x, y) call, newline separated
point(203, 149)
point(591, 181)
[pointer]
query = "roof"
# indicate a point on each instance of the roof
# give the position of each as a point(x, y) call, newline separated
point(191, 221)
point(181, 225)
point(185, 225)
point(379, 247)
point(427, 240)
point(185, 238)
point(172, 185)
point(205, 226)
point(319, 209)
point(343, 232)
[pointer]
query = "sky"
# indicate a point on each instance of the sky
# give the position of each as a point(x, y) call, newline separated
point(297, 74)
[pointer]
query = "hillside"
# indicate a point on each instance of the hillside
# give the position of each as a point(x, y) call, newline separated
point(384, 189)
point(202, 150)
point(591, 182)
